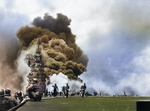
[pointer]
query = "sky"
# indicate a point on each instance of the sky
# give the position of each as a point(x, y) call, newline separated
point(114, 34)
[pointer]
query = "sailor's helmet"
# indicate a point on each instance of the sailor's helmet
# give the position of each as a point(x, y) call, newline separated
point(1, 92)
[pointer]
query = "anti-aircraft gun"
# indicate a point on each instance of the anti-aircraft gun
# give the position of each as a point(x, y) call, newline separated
point(37, 68)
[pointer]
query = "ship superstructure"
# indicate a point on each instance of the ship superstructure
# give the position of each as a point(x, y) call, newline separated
point(37, 68)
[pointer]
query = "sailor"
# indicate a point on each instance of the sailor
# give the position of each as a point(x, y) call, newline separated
point(63, 90)
point(34, 90)
point(83, 88)
point(5, 103)
point(19, 95)
point(67, 90)
point(12, 99)
point(55, 89)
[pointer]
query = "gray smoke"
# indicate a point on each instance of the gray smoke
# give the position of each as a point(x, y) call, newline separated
point(10, 46)
point(58, 25)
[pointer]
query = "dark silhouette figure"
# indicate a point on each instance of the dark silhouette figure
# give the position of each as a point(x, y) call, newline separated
point(83, 88)
point(67, 90)
point(55, 90)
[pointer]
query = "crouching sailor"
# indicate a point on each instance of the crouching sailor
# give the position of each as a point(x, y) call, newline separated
point(34, 91)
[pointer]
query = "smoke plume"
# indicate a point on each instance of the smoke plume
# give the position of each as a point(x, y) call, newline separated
point(60, 26)
point(61, 80)
point(59, 49)
point(8, 66)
